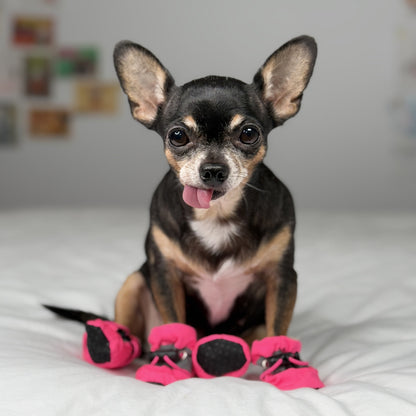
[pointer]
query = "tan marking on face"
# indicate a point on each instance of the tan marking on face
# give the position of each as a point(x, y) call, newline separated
point(250, 164)
point(173, 162)
point(190, 122)
point(189, 169)
point(236, 121)
point(226, 206)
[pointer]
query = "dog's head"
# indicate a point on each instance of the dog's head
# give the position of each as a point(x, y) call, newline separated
point(215, 128)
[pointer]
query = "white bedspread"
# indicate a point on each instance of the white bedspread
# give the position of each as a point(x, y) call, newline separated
point(355, 315)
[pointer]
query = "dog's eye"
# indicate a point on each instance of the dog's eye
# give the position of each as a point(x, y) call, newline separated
point(249, 135)
point(178, 138)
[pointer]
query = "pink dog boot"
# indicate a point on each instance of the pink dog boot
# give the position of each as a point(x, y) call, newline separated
point(279, 356)
point(171, 348)
point(107, 344)
point(221, 355)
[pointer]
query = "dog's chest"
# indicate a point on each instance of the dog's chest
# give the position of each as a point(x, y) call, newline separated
point(219, 290)
point(213, 234)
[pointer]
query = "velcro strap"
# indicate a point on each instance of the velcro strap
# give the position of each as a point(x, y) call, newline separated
point(286, 362)
point(168, 351)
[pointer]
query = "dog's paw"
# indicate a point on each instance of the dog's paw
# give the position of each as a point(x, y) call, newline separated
point(107, 344)
point(170, 357)
point(221, 355)
point(279, 357)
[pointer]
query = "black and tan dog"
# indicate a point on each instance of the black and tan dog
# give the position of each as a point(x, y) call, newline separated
point(220, 247)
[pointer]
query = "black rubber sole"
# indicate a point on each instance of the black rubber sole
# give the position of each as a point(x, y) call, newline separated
point(98, 345)
point(220, 357)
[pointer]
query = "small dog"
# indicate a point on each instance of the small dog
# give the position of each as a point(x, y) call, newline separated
point(220, 247)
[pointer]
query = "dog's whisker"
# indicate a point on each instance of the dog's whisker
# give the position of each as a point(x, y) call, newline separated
point(250, 185)
point(255, 188)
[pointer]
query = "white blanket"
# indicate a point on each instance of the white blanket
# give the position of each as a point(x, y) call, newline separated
point(355, 315)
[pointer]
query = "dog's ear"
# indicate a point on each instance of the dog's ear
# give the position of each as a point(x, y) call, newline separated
point(284, 76)
point(144, 79)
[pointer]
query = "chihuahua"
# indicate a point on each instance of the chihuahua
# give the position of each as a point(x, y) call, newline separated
point(220, 247)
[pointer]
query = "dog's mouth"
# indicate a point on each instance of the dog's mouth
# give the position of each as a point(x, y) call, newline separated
point(199, 197)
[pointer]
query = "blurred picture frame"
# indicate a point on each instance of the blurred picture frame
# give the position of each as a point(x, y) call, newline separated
point(32, 31)
point(76, 61)
point(37, 76)
point(8, 124)
point(96, 97)
point(412, 4)
point(49, 122)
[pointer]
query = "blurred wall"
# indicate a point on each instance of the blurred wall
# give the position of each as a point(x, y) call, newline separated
point(342, 151)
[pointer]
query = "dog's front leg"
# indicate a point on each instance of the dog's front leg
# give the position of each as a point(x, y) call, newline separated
point(273, 264)
point(168, 265)
point(168, 290)
point(278, 354)
point(280, 300)
point(171, 344)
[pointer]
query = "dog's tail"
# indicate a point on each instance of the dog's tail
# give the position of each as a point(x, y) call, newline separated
point(74, 314)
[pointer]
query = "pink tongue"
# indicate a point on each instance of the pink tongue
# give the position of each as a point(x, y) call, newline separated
point(197, 198)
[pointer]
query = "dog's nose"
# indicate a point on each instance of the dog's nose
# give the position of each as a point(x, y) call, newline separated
point(213, 174)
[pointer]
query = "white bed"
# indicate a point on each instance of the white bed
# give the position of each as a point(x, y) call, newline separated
point(355, 315)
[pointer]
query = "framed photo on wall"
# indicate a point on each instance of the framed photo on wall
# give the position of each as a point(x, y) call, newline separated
point(37, 78)
point(96, 97)
point(32, 31)
point(76, 61)
point(49, 122)
point(8, 122)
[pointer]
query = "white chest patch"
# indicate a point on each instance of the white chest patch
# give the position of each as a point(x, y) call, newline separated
point(220, 290)
point(213, 234)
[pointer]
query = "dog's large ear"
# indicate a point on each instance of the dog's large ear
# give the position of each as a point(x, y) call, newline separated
point(144, 79)
point(284, 76)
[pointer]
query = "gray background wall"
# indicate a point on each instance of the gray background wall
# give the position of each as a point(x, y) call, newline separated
point(341, 152)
